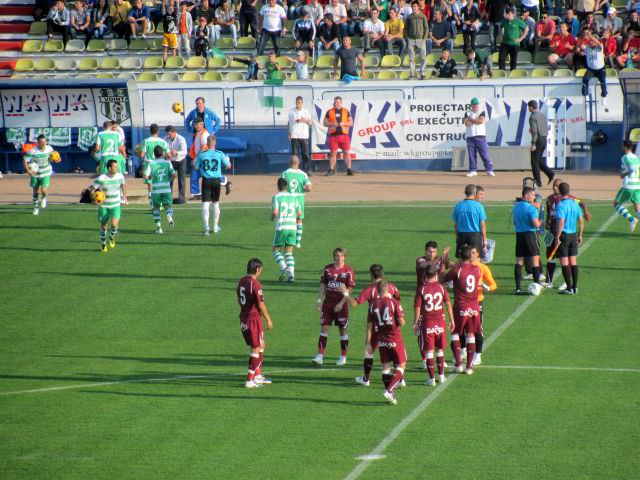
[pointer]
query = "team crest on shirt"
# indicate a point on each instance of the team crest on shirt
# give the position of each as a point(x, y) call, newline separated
point(469, 312)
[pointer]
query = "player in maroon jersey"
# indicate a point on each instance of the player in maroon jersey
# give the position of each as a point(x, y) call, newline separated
point(367, 295)
point(385, 320)
point(335, 277)
point(431, 256)
point(430, 323)
point(466, 278)
point(252, 311)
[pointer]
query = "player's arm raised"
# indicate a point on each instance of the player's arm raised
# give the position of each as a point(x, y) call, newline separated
point(265, 314)
point(445, 262)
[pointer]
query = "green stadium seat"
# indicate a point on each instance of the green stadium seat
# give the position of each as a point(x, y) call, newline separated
point(110, 63)
point(432, 58)
point(284, 62)
point(248, 43)
point(524, 58)
point(212, 77)
point(634, 135)
point(24, 65)
point(470, 75)
point(499, 74)
point(540, 72)
point(287, 43)
point(406, 61)
point(542, 58)
point(160, 27)
point(225, 42)
point(405, 75)
point(131, 63)
point(32, 46)
point(65, 64)
point(54, 46)
point(147, 77)
point(390, 61)
point(580, 72)
point(87, 64)
point(138, 44)
point(155, 44)
point(126, 76)
point(562, 72)
point(458, 41)
point(234, 77)
point(154, 63)
point(518, 73)
point(370, 61)
point(495, 57)
point(356, 42)
point(612, 72)
point(116, 44)
point(105, 75)
point(74, 46)
point(321, 76)
point(45, 65)
point(196, 63)
point(369, 75)
point(460, 58)
point(233, 64)
point(174, 63)
point(386, 75)
point(38, 28)
point(169, 77)
point(96, 45)
point(218, 62)
point(326, 61)
point(262, 59)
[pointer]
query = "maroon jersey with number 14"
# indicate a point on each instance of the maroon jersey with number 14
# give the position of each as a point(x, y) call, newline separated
point(385, 314)
point(249, 292)
point(334, 279)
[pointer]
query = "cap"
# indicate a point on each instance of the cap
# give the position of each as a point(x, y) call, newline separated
point(475, 101)
point(611, 10)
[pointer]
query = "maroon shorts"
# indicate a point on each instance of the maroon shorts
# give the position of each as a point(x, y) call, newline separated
point(252, 331)
point(433, 336)
point(339, 142)
point(329, 317)
point(392, 351)
point(467, 319)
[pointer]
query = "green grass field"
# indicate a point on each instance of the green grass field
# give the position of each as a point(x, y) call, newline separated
point(130, 365)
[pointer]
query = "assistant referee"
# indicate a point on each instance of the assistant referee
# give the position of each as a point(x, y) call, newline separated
point(209, 164)
point(470, 222)
point(526, 221)
point(569, 236)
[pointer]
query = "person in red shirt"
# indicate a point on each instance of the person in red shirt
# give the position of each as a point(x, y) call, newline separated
point(252, 311)
point(336, 277)
point(610, 48)
point(431, 256)
point(430, 323)
point(562, 44)
point(385, 320)
point(368, 295)
point(545, 30)
point(466, 278)
point(630, 46)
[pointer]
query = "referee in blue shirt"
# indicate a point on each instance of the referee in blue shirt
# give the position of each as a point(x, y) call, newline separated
point(470, 222)
point(209, 163)
point(569, 236)
point(526, 219)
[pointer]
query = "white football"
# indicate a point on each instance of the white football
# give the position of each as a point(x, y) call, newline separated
point(33, 166)
point(535, 289)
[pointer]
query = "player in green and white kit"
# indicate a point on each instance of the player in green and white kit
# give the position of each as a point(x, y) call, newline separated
point(112, 184)
point(160, 173)
point(285, 210)
point(37, 164)
point(148, 155)
point(298, 184)
point(630, 191)
point(110, 146)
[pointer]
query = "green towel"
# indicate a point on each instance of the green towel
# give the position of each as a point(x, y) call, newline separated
point(86, 137)
point(16, 136)
point(57, 137)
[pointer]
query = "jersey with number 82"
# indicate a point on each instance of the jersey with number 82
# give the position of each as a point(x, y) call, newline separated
point(249, 292)
point(466, 279)
point(431, 298)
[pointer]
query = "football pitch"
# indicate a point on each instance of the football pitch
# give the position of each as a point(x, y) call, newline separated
point(131, 365)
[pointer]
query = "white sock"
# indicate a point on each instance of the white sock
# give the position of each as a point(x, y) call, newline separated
point(205, 214)
point(216, 213)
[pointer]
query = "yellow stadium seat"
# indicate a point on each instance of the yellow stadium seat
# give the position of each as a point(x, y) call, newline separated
point(45, 65)
point(110, 63)
point(32, 46)
point(218, 62)
point(212, 77)
point(175, 63)
point(321, 76)
point(153, 63)
point(96, 45)
point(24, 65)
point(88, 64)
point(634, 135)
point(196, 63)
point(54, 46)
point(518, 73)
point(371, 61)
point(580, 72)
point(169, 77)
point(390, 61)
point(325, 61)
point(562, 72)
point(147, 77)
point(191, 77)
point(540, 72)
point(234, 77)
point(387, 75)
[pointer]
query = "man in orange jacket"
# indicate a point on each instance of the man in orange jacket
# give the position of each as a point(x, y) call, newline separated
point(487, 283)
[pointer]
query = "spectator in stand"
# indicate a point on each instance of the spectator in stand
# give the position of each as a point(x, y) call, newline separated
point(614, 24)
point(495, 13)
point(201, 41)
point(225, 22)
point(416, 30)
point(359, 12)
point(545, 30)
point(439, 33)
point(248, 18)
point(383, 8)
point(394, 33)
point(273, 25)
point(119, 12)
point(610, 47)
point(445, 66)
point(589, 23)
point(328, 35)
point(100, 19)
point(185, 27)
point(594, 54)
point(533, 7)
point(470, 24)
point(272, 67)
point(631, 51)
point(338, 14)
point(317, 13)
point(633, 6)
point(373, 32)
point(583, 7)
point(304, 33)
point(203, 28)
point(139, 20)
point(170, 35)
point(632, 26)
point(514, 31)
point(58, 21)
point(404, 10)
point(478, 62)
point(579, 59)
point(349, 58)
point(300, 64)
point(529, 41)
point(80, 22)
point(573, 22)
point(204, 10)
point(156, 12)
point(602, 6)
point(562, 45)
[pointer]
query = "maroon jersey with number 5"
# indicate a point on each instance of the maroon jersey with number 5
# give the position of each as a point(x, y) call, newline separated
point(466, 280)
point(249, 293)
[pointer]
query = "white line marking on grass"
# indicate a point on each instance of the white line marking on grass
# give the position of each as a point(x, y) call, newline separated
point(561, 368)
point(431, 397)
point(165, 379)
point(371, 457)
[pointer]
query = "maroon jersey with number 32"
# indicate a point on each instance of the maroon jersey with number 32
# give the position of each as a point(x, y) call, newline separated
point(466, 279)
point(334, 279)
point(431, 299)
point(249, 293)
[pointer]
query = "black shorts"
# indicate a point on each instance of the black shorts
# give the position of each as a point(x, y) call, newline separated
point(527, 244)
point(210, 189)
point(568, 245)
point(473, 239)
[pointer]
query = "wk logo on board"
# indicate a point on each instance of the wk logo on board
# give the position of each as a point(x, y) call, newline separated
point(17, 104)
point(114, 104)
point(64, 104)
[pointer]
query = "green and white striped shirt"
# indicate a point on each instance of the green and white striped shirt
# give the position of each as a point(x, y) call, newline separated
point(296, 181)
point(108, 143)
point(41, 158)
point(286, 206)
point(112, 187)
point(630, 168)
point(160, 171)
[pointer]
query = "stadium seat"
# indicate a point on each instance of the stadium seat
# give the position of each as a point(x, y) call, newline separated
point(105, 75)
point(405, 75)
point(321, 76)
point(562, 72)
point(406, 61)
point(386, 75)
point(458, 41)
point(212, 77)
point(74, 46)
point(499, 74)
point(612, 72)
point(147, 77)
point(87, 64)
point(495, 57)
point(262, 59)
point(390, 61)
point(483, 40)
point(131, 63)
point(580, 72)
point(65, 64)
point(356, 42)
point(24, 65)
point(218, 62)
point(175, 63)
point(290, 24)
point(110, 63)
point(225, 42)
point(287, 43)
point(196, 63)
point(38, 28)
point(284, 62)
point(470, 75)
point(45, 65)
point(326, 61)
point(369, 75)
point(540, 72)
point(432, 58)
point(248, 43)
point(126, 76)
point(155, 44)
point(370, 61)
point(169, 77)
point(234, 77)
point(96, 46)
point(19, 76)
point(160, 26)
point(541, 58)
point(634, 135)
point(518, 73)
point(233, 64)
point(153, 63)
point(138, 44)
point(262, 76)
point(460, 58)
point(524, 57)
point(54, 46)
point(32, 46)
point(116, 44)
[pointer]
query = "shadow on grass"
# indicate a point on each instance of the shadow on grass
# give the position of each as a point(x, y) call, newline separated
point(49, 250)
point(41, 227)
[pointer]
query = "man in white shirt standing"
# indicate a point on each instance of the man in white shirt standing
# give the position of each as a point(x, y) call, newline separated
point(475, 121)
point(177, 154)
point(273, 25)
point(594, 53)
point(299, 123)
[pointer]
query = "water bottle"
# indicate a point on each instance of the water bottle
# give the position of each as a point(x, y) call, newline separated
point(630, 58)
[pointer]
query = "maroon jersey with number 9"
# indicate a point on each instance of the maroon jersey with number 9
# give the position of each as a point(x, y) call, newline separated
point(466, 280)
